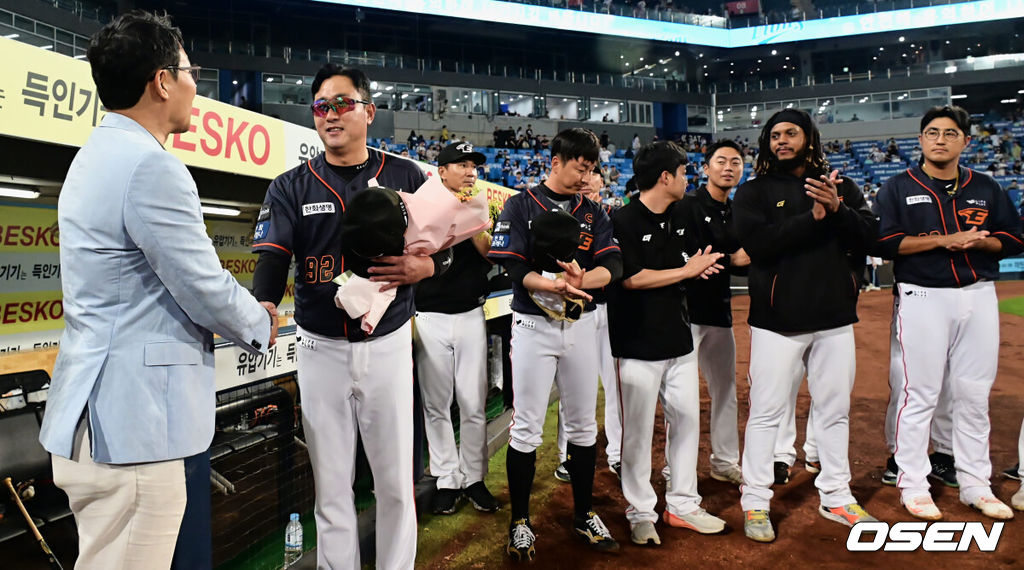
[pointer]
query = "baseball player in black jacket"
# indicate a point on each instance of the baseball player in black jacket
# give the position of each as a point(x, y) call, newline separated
point(806, 232)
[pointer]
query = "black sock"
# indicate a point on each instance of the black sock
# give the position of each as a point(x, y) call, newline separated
point(580, 462)
point(520, 468)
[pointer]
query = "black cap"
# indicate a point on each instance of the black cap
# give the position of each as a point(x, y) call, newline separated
point(373, 224)
point(457, 152)
point(556, 236)
point(798, 117)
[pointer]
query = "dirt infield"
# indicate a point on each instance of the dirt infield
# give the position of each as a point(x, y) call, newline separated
point(804, 538)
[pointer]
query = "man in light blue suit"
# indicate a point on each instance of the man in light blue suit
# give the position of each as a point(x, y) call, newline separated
point(144, 292)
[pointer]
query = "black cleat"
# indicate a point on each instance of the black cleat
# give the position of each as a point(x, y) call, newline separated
point(891, 473)
point(1013, 472)
point(520, 541)
point(591, 530)
point(781, 473)
point(446, 501)
point(943, 469)
point(481, 498)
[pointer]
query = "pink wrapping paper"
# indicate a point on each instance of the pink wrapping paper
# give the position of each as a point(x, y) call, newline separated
point(437, 220)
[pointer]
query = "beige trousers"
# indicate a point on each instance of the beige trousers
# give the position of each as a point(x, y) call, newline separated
point(128, 516)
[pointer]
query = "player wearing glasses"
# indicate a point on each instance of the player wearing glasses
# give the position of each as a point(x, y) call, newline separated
point(351, 383)
point(946, 227)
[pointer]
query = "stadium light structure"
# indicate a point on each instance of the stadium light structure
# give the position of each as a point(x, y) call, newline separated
point(605, 24)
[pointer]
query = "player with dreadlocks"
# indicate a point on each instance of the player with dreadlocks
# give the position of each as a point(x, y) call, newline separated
point(807, 232)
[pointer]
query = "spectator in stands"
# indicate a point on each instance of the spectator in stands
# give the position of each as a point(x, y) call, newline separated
point(544, 142)
point(1016, 167)
point(405, 153)
point(604, 155)
point(444, 134)
point(613, 175)
point(1015, 150)
point(383, 145)
point(519, 183)
point(497, 137)
point(412, 139)
point(636, 139)
point(604, 139)
point(854, 118)
point(1013, 185)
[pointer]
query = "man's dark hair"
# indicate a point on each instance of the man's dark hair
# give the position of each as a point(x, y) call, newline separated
point(654, 158)
point(128, 52)
point(957, 113)
point(356, 76)
point(718, 145)
point(812, 156)
point(576, 143)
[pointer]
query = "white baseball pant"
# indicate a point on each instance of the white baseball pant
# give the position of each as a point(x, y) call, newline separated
point(612, 421)
point(451, 358)
point(785, 442)
point(543, 351)
point(677, 384)
point(939, 328)
point(350, 389)
point(777, 362)
point(716, 358)
point(942, 420)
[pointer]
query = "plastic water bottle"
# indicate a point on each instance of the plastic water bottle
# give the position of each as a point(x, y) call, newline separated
point(292, 541)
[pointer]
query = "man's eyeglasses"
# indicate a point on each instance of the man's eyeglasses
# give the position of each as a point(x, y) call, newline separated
point(339, 105)
point(193, 70)
point(949, 135)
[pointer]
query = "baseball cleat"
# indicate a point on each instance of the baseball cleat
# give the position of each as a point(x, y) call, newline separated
point(591, 530)
point(481, 498)
point(848, 515)
point(922, 507)
point(616, 468)
point(943, 469)
point(643, 533)
point(520, 541)
point(562, 474)
point(666, 473)
point(991, 507)
point(757, 526)
point(1018, 499)
point(781, 473)
point(446, 501)
point(731, 474)
point(812, 467)
point(891, 473)
point(1013, 472)
point(699, 520)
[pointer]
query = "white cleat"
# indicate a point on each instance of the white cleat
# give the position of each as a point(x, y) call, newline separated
point(992, 507)
point(922, 507)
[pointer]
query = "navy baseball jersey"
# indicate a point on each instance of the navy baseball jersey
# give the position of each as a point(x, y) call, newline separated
point(913, 204)
point(512, 238)
point(301, 216)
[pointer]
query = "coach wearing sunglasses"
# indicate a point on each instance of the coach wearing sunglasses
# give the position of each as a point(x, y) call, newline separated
point(352, 383)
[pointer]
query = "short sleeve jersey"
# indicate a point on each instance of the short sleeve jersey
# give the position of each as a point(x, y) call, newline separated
point(649, 324)
point(512, 238)
point(301, 216)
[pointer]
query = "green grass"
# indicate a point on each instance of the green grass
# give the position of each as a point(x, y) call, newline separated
point(1013, 306)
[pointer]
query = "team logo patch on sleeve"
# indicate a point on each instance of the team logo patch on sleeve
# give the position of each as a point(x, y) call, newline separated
point(262, 229)
point(318, 208)
point(502, 227)
point(911, 200)
point(499, 240)
point(264, 214)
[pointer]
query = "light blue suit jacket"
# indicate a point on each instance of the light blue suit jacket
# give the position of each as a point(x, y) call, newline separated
point(143, 293)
